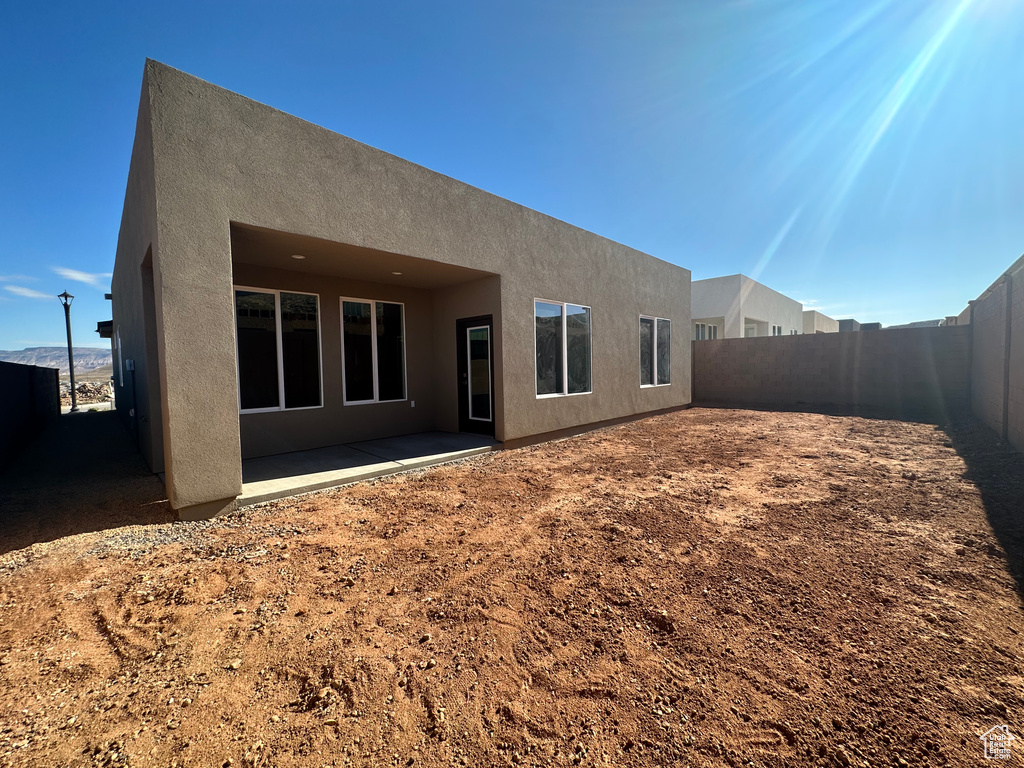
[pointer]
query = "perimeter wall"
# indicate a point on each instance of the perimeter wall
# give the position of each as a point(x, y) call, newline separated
point(996, 321)
point(30, 396)
point(973, 363)
point(919, 373)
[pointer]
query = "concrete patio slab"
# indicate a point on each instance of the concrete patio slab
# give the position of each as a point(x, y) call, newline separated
point(290, 474)
point(426, 446)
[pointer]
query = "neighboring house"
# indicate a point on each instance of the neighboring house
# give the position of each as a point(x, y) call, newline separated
point(279, 287)
point(815, 322)
point(964, 318)
point(919, 324)
point(848, 324)
point(735, 306)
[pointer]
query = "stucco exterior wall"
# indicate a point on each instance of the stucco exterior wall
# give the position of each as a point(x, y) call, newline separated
point(618, 289)
point(719, 297)
point(137, 393)
point(265, 434)
point(481, 297)
point(220, 158)
point(769, 306)
point(917, 372)
point(737, 298)
point(815, 322)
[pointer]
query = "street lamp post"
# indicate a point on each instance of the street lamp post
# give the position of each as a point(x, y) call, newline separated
point(66, 299)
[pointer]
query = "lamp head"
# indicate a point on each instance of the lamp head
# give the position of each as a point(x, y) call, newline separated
point(65, 298)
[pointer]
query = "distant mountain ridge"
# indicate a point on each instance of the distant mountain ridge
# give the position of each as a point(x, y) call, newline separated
point(86, 358)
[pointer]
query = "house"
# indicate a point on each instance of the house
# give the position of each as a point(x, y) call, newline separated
point(815, 322)
point(279, 287)
point(964, 318)
point(735, 306)
point(918, 324)
point(849, 324)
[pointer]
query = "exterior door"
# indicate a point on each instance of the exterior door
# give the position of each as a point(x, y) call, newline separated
point(475, 349)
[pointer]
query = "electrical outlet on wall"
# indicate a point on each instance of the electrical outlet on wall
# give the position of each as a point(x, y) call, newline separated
point(413, 403)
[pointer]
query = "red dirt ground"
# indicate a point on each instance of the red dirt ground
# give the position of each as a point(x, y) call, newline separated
point(706, 588)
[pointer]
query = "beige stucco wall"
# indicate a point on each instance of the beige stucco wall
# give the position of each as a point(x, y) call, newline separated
point(815, 322)
point(719, 297)
point(268, 433)
point(222, 158)
point(480, 297)
point(134, 303)
point(738, 297)
point(760, 302)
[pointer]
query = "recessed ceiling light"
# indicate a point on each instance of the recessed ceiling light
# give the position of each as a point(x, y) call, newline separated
point(298, 256)
point(396, 273)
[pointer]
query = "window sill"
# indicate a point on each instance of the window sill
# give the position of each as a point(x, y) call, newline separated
point(563, 394)
point(278, 410)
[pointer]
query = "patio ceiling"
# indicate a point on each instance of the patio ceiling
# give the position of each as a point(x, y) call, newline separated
point(271, 248)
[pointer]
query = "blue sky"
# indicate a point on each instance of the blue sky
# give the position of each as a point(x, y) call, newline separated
point(863, 157)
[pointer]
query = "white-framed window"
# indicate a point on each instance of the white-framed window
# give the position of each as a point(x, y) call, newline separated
point(793, 333)
point(655, 351)
point(704, 331)
point(372, 351)
point(277, 337)
point(562, 339)
point(776, 330)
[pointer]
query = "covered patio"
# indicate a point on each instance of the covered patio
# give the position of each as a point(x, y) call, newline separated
point(380, 348)
point(273, 477)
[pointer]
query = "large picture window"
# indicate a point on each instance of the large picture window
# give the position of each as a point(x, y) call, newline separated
point(655, 351)
point(563, 347)
point(373, 351)
point(278, 349)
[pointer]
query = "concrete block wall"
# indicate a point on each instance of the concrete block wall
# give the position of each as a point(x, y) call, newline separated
point(30, 396)
point(1015, 396)
point(997, 364)
point(913, 372)
point(988, 363)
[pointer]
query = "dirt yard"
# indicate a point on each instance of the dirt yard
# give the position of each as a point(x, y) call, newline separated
point(705, 588)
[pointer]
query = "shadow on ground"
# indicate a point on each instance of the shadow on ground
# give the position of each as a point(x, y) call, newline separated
point(918, 416)
point(997, 471)
point(81, 474)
